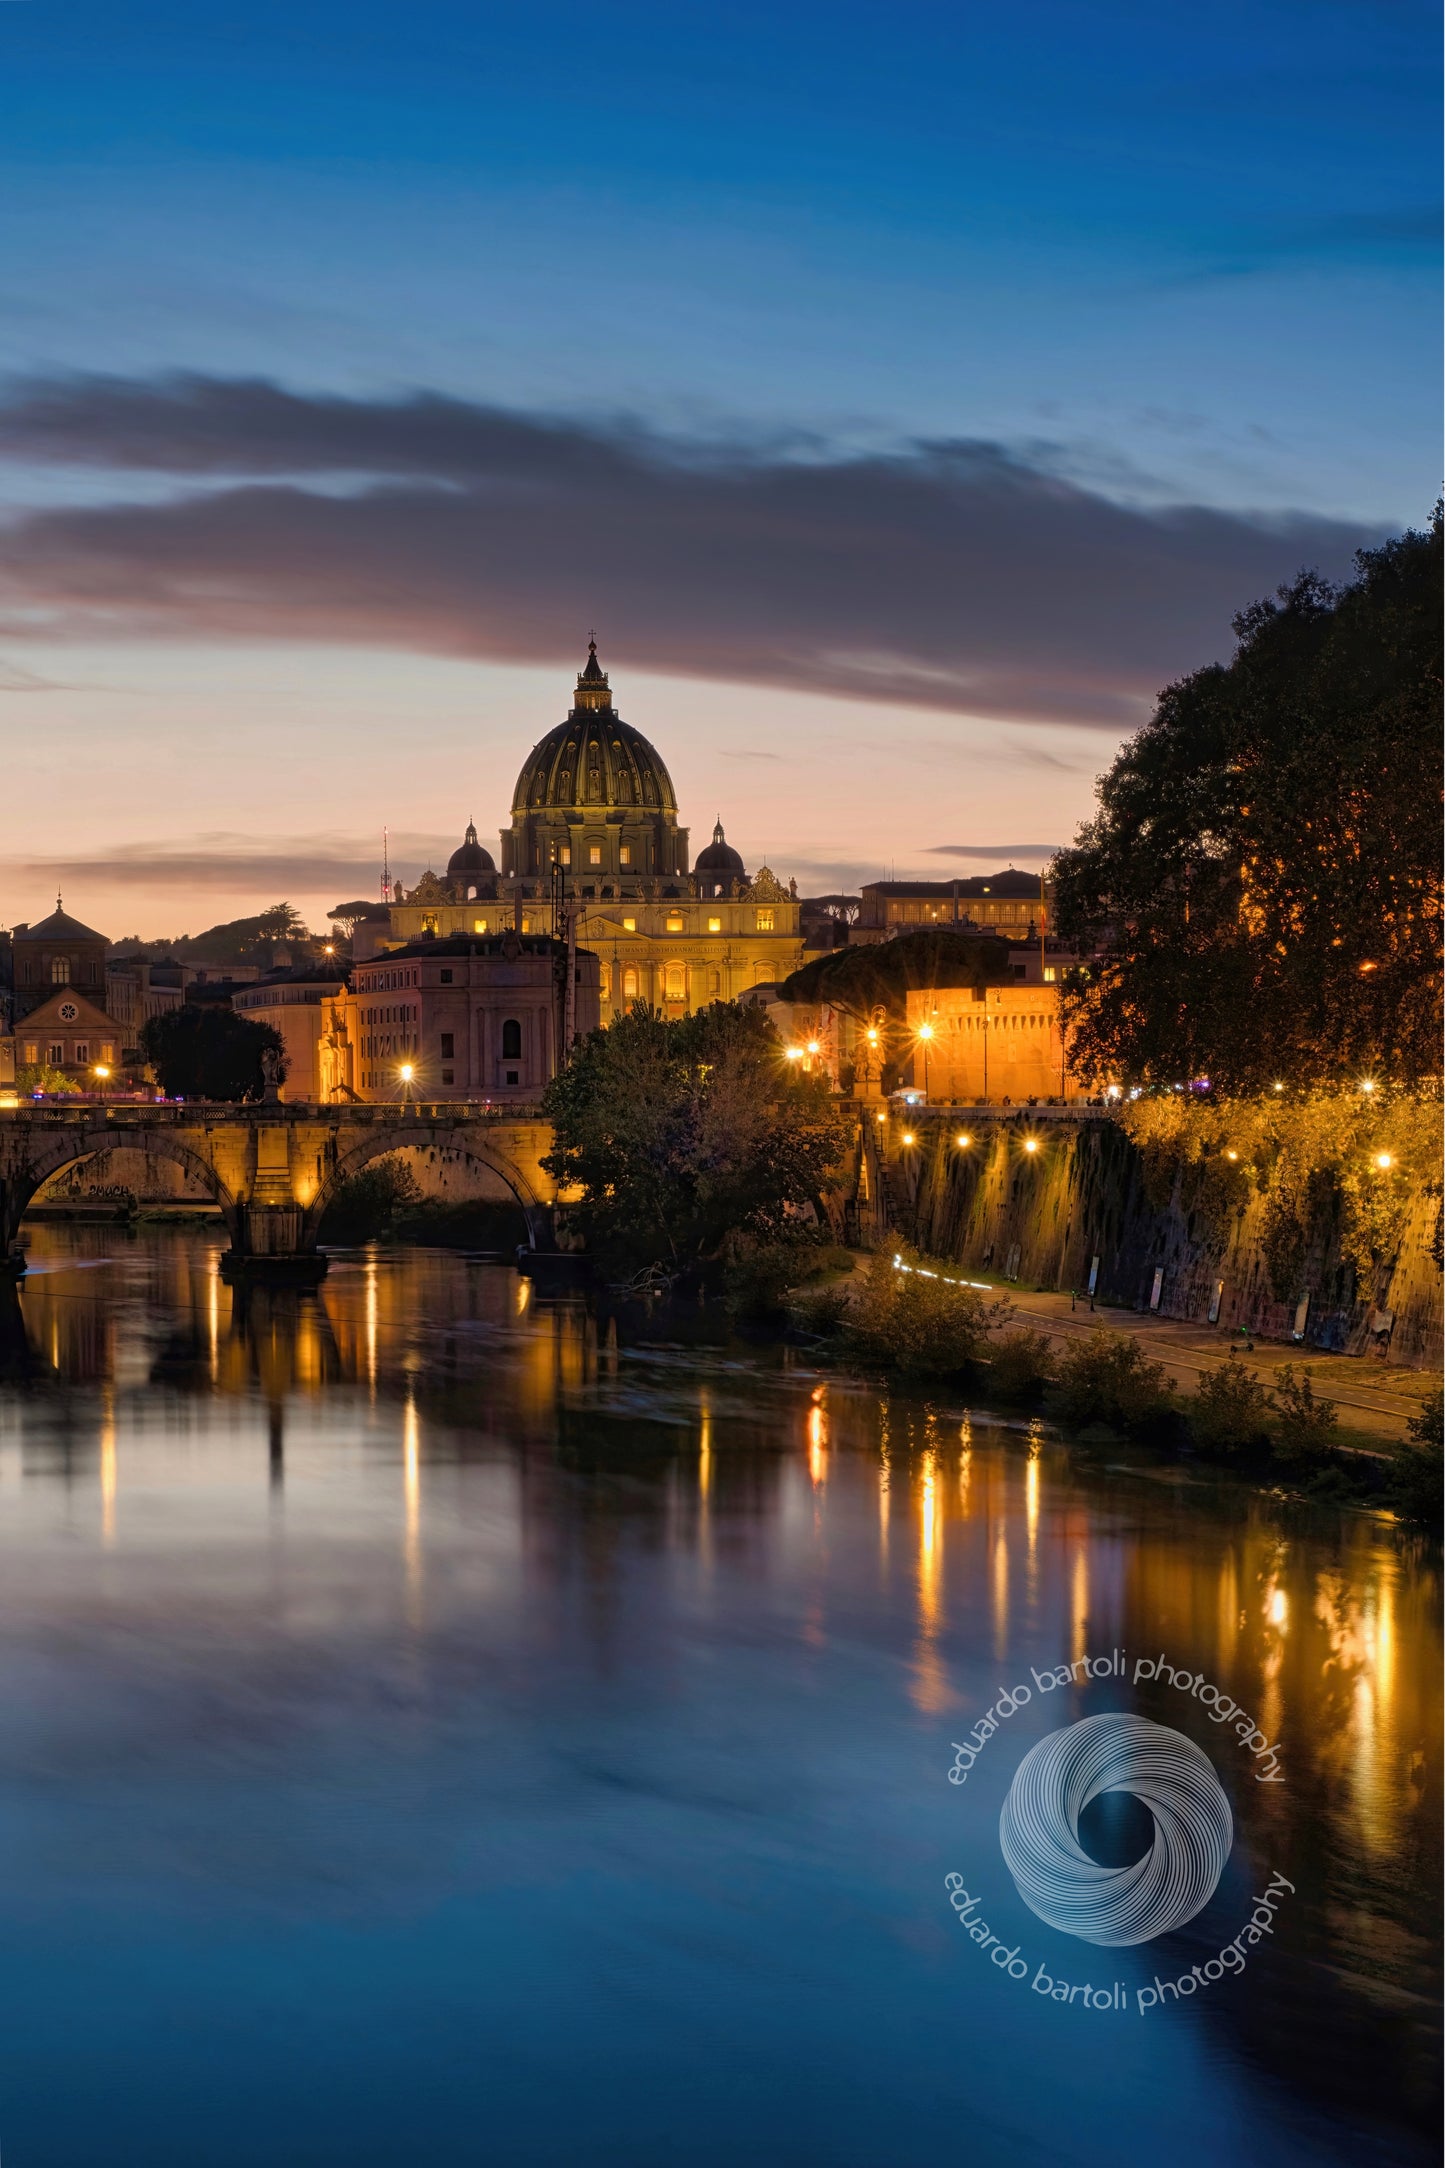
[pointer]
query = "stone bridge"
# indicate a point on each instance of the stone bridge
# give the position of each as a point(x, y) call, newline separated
point(272, 1170)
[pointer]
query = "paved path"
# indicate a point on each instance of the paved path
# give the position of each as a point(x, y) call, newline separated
point(1371, 1396)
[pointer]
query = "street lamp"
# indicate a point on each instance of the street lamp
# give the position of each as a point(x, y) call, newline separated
point(406, 1072)
point(102, 1074)
point(792, 1053)
point(1031, 1144)
point(1367, 1083)
point(1384, 1160)
point(963, 1142)
point(925, 1033)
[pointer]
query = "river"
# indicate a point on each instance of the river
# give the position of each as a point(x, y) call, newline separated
point(431, 1732)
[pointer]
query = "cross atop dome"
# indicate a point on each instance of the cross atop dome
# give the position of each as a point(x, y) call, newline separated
point(592, 689)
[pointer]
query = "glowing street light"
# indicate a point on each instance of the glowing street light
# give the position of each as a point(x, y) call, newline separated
point(102, 1073)
point(813, 1047)
point(1367, 1083)
point(908, 1136)
point(963, 1142)
point(406, 1072)
point(792, 1053)
point(925, 1033)
point(1279, 1087)
point(1384, 1159)
point(1031, 1144)
point(1231, 1155)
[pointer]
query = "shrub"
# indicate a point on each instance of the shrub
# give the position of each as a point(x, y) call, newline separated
point(918, 1321)
point(1107, 1378)
point(757, 1280)
point(368, 1203)
point(819, 1310)
point(1020, 1365)
point(1304, 1428)
point(1230, 1411)
point(1419, 1463)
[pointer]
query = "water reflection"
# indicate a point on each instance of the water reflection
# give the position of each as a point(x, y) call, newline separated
point(685, 1633)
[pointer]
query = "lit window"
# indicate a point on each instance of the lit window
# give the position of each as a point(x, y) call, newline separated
point(479, 925)
point(629, 985)
point(674, 922)
point(60, 971)
point(625, 855)
point(1050, 975)
point(676, 982)
point(594, 854)
point(32, 1051)
point(526, 924)
point(765, 922)
point(714, 925)
point(565, 854)
point(629, 925)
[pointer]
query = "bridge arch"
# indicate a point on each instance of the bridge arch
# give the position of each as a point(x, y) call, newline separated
point(57, 1148)
point(420, 1134)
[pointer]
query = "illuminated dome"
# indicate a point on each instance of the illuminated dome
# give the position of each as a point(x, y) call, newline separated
point(470, 862)
point(594, 758)
point(595, 800)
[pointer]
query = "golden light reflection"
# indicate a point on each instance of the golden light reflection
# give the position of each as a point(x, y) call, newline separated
point(930, 1687)
point(213, 1314)
point(999, 1593)
point(1277, 1610)
point(1079, 1606)
point(524, 1295)
point(411, 1494)
point(107, 1468)
point(371, 1324)
point(704, 1454)
point(817, 1444)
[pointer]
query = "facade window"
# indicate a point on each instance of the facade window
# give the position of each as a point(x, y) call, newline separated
point(428, 925)
point(594, 854)
point(512, 1077)
point(624, 856)
point(32, 1051)
point(715, 982)
point(676, 982)
point(511, 1041)
point(564, 856)
point(526, 924)
point(479, 925)
point(60, 970)
point(446, 978)
point(629, 925)
point(55, 1054)
point(448, 1076)
point(82, 1049)
point(448, 1045)
point(107, 1050)
point(472, 893)
point(765, 922)
point(629, 985)
point(674, 922)
point(714, 925)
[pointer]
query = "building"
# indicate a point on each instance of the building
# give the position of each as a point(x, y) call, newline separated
point(296, 1003)
point(977, 1046)
point(139, 987)
point(1013, 904)
point(594, 831)
point(72, 1033)
point(58, 952)
point(455, 1016)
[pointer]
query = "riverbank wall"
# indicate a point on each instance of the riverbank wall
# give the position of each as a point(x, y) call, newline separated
point(1053, 1202)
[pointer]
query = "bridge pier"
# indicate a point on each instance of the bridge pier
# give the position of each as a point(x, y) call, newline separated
point(269, 1243)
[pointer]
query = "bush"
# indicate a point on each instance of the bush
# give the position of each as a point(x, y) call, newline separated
point(1416, 1476)
point(757, 1281)
point(1107, 1378)
point(1020, 1365)
point(368, 1203)
point(819, 1310)
point(917, 1321)
point(39, 1076)
point(1304, 1428)
point(1230, 1411)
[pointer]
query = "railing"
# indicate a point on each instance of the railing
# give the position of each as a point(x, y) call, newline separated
point(130, 1114)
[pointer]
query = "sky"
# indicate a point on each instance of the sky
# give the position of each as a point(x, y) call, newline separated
point(904, 395)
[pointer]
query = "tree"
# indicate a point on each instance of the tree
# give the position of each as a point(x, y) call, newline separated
point(1261, 882)
point(208, 1052)
point(42, 1076)
point(686, 1138)
point(881, 975)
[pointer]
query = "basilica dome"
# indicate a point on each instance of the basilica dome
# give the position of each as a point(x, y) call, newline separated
point(470, 862)
point(594, 759)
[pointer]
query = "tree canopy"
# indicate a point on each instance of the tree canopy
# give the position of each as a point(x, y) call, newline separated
point(882, 974)
point(1261, 881)
point(685, 1135)
point(209, 1053)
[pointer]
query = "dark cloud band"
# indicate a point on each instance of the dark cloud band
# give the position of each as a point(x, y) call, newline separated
point(957, 576)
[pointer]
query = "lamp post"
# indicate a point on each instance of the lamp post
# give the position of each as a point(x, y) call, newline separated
point(406, 1073)
point(925, 1033)
point(102, 1076)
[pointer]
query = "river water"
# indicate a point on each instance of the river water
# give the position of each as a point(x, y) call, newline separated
point(428, 1735)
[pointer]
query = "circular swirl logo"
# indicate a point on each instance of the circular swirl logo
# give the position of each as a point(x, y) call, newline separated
point(1038, 1829)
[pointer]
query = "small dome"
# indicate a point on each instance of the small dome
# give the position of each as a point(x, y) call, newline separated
point(720, 857)
point(470, 861)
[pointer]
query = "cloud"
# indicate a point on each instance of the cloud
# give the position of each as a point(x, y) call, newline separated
point(15, 680)
point(229, 862)
point(1000, 852)
point(958, 575)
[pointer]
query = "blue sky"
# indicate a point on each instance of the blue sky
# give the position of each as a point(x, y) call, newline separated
point(1153, 264)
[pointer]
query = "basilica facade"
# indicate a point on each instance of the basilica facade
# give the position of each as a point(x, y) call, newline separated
point(594, 835)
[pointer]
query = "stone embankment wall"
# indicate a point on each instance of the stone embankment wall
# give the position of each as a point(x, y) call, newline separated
point(1043, 1216)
